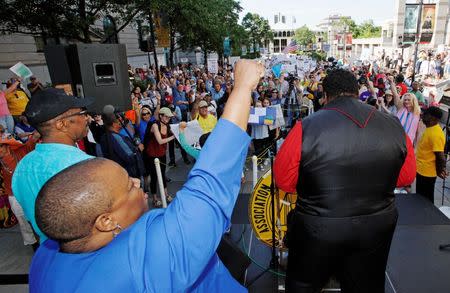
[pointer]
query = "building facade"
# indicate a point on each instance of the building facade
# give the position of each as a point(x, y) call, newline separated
point(390, 41)
point(283, 28)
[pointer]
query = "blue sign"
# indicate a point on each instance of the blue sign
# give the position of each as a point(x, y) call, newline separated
point(227, 47)
point(326, 47)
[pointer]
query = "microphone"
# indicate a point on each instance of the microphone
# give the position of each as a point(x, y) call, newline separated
point(109, 109)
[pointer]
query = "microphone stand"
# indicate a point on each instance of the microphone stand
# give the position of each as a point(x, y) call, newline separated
point(273, 265)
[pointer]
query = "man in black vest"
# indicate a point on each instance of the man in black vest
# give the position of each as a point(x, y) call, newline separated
point(344, 162)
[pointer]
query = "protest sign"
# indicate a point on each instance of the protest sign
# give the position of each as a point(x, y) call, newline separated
point(213, 66)
point(272, 116)
point(21, 70)
point(192, 132)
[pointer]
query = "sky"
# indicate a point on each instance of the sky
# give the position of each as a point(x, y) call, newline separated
point(313, 11)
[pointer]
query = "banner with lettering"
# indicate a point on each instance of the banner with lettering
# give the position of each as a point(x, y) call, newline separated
point(410, 27)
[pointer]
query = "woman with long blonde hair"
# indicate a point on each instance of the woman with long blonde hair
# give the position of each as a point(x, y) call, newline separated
point(408, 111)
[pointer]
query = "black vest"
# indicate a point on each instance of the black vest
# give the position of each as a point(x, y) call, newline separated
point(351, 157)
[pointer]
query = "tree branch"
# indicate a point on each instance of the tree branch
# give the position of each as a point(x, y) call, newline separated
point(130, 18)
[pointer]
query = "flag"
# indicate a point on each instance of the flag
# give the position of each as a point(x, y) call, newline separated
point(292, 47)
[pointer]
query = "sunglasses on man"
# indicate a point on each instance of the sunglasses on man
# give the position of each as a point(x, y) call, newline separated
point(81, 113)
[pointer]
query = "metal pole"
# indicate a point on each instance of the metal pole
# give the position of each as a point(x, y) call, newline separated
point(255, 170)
point(419, 23)
point(160, 183)
point(152, 35)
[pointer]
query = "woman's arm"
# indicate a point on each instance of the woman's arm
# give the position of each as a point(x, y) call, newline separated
point(158, 137)
point(397, 101)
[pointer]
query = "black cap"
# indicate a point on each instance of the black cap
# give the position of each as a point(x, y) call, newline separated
point(49, 103)
point(433, 112)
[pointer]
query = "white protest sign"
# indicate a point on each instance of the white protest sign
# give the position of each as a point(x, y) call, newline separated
point(192, 132)
point(213, 66)
point(21, 70)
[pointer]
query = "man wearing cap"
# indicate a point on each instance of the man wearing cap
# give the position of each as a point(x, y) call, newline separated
point(207, 121)
point(430, 154)
point(62, 121)
point(34, 86)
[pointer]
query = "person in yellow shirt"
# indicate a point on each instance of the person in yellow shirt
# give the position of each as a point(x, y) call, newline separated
point(17, 100)
point(430, 154)
point(206, 120)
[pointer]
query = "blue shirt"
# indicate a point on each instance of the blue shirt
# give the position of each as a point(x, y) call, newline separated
point(179, 96)
point(165, 250)
point(217, 95)
point(143, 127)
point(36, 168)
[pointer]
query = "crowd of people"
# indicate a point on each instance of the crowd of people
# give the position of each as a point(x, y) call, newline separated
point(69, 134)
point(186, 92)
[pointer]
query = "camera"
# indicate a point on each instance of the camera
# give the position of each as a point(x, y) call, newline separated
point(290, 79)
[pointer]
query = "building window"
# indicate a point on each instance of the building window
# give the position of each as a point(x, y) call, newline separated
point(283, 19)
point(109, 28)
point(40, 44)
point(284, 33)
point(288, 33)
point(276, 46)
point(283, 44)
point(276, 19)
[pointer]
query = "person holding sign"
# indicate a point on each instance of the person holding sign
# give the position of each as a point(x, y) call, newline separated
point(17, 99)
point(100, 225)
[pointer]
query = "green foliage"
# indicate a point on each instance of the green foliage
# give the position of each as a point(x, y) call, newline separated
point(304, 36)
point(317, 55)
point(257, 28)
point(210, 21)
point(366, 29)
point(71, 20)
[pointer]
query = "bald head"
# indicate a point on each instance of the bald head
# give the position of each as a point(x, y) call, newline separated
point(69, 203)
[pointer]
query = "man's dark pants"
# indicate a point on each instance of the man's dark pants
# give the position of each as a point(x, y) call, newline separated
point(354, 249)
point(425, 186)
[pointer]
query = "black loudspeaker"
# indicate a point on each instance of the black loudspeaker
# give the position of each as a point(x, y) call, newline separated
point(93, 70)
point(233, 258)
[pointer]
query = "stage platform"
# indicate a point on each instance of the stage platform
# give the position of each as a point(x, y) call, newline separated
point(415, 265)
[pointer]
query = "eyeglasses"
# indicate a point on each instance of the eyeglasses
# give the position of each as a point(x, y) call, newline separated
point(81, 113)
point(145, 113)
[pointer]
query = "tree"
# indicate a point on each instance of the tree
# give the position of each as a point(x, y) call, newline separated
point(52, 19)
point(366, 29)
point(239, 37)
point(304, 36)
point(257, 28)
point(211, 22)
